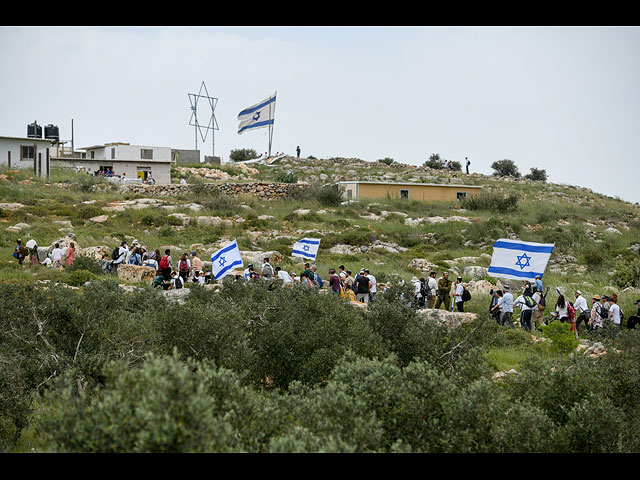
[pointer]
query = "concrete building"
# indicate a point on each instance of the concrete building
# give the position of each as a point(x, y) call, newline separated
point(26, 153)
point(134, 161)
point(185, 157)
point(355, 190)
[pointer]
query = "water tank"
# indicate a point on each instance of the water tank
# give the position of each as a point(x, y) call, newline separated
point(51, 132)
point(34, 130)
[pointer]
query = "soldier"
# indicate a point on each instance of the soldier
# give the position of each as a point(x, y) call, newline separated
point(444, 292)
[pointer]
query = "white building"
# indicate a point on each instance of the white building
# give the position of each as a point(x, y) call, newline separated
point(134, 161)
point(23, 152)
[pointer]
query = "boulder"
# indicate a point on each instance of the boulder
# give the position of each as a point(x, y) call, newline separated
point(344, 250)
point(136, 273)
point(443, 317)
point(99, 219)
point(183, 217)
point(423, 265)
point(210, 221)
point(474, 271)
point(256, 258)
point(177, 296)
point(95, 253)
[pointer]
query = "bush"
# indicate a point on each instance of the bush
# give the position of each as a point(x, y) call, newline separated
point(386, 160)
point(242, 154)
point(627, 273)
point(286, 177)
point(489, 201)
point(85, 263)
point(538, 175)
point(331, 195)
point(505, 168)
point(434, 161)
point(563, 340)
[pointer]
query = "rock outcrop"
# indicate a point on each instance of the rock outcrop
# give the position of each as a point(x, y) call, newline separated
point(136, 273)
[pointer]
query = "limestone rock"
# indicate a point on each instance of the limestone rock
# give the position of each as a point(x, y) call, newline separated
point(96, 252)
point(136, 273)
point(99, 219)
point(210, 221)
point(443, 317)
point(423, 265)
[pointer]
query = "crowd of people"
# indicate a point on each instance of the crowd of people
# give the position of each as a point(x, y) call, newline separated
point(362, 287)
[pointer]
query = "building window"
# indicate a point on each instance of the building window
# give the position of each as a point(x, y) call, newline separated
point(404, 193)
point(93, 154)
point(113, 153)
point(26, 152)
point(460, 195)
point(146, 154)
point(349, 193)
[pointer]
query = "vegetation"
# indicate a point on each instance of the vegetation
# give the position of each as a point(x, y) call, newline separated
point(243, 154)
point(90, 367)
point(505, 168)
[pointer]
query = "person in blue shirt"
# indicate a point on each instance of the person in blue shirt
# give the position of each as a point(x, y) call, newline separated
point(538, 284)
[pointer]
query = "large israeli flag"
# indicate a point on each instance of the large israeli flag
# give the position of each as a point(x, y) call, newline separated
point(225, 260)
point(519, 260)
point(257, 116)
point(306, 248)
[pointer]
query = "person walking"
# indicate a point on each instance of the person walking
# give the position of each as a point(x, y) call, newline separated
point(334, 282)
point(561, 310)
point(267, 270)
point(284, 276)
point(196, 263)
point(538, 284)
point(417, 292)
point(33, 256)
point(71, 255)
point(432, 285)
point(374, 285)
point(165, 265)
point(582, 310)
point(122, 252)
point(363, 287)
point(614, 313)
point(595, 320)
point(526, 308)
point(495, 313)
point(459, 290)
point(184, 266)
point(444, 292)
point(537, 313)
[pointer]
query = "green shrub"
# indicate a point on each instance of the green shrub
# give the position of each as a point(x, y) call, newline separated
point(563, 340)
point(489, 201)
point(538, 175)
point(331, 195)
point(85, 263)
point(627, 273)
point(242, 154)
point(505, 168)
point(287, 177)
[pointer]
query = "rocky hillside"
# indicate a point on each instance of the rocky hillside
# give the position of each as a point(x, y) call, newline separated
point(266, 209)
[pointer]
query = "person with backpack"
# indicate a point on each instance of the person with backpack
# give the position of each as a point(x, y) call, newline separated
point(417, 292)
point(526, 304)
point(595, 320)
point(177, 281)
point(267, 269)
point(615, 314)
point(374, 285)
point(494, 312)
point(537, 316)
point(334, 282)
point(118, 255)
point(317, 281)
point(184, 266)
point(459, 290)
point(165, 264)
point(634, 319)
point(20, 252)
point(196, 264)
point(363, 286)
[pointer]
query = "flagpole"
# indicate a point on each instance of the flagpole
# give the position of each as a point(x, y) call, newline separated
point(272, 120)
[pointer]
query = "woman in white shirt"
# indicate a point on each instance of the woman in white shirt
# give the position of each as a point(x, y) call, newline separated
point(459, 290)
point(561, 310)
point(56, 256)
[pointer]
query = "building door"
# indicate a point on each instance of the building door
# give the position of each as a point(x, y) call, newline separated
point(143, 173)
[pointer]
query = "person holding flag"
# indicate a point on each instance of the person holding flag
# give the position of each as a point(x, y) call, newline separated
point(226, 260)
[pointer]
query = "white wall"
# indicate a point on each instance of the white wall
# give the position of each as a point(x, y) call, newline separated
point(130, 153)
point(8, 144)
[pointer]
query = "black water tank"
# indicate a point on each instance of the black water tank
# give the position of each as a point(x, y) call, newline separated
point(34, 130)
point(51, 132)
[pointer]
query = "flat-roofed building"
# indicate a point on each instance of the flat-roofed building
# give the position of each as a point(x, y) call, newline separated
point(432, 192)
point(134, 161)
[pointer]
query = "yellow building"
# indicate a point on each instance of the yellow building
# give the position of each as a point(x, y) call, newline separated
point(355, 190)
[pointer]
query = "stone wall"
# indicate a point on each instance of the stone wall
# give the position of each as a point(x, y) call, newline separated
point(261, 189)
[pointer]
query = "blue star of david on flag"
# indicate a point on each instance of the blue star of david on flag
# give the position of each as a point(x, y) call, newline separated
point(225, 260)
point(520, 258)
point(306, 248)
point(531, 259)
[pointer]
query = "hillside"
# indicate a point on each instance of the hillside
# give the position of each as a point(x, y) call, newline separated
point(93, 362)
point(596, 236)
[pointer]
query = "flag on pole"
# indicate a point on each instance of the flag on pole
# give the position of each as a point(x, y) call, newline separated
point(519, 260)
point(257, 116)
point(306, 248)
point(226, 259)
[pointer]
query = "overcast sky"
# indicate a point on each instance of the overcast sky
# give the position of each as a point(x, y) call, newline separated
point(565, 99)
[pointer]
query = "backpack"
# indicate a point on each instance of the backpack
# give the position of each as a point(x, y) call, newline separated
point(178, 282)
point(267, 271)
point(164, 263)
point(115, 255)
point(426, 291)
point(571, 312)
point(183, 267)
point(466, 295)
point(529, 302)
point(542, 304)
point(604, 313)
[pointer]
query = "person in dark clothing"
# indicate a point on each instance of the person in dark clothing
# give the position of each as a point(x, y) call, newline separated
point(298, 151)
point(494, 301)
point(634, 320)
point(363, 288)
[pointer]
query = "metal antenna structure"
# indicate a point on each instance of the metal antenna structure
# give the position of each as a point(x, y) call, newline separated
point(193, 121)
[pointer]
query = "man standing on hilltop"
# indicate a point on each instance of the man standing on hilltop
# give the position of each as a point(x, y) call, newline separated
point(298, 151)
point(466, 159)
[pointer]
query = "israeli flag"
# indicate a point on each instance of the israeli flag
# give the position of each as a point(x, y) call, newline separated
point(257, 116)
point(306, 248)
point(225, 260)
point(519, 260)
